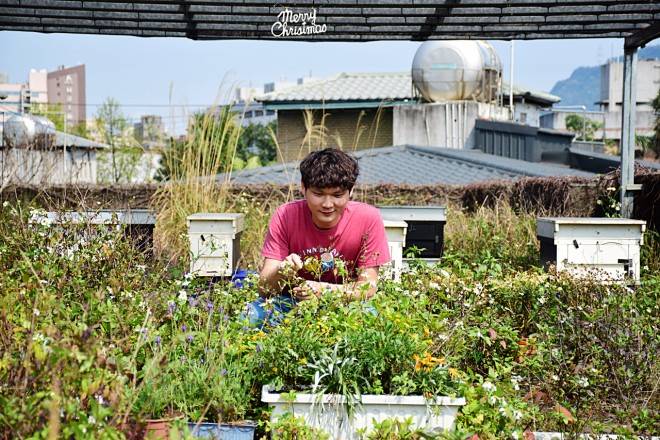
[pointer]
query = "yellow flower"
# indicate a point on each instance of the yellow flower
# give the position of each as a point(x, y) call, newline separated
point(274, 368)
point(453, 372)
point(303, 361)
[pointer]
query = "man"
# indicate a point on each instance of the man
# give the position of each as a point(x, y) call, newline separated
point(324, 242)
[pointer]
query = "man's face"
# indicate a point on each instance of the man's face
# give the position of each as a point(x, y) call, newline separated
point(326, 204)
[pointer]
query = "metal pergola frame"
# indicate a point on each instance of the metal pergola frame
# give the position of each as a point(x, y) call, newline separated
point(635, 21)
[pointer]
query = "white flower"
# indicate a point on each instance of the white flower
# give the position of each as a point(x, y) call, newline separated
point(488, 386)
point(493, 400)
point(91, 419)
point(36, 312)
point(434, 285)
point(542, 299)
point(141, 267)
point(555, 377)
point(5, 204)
point(183, 296)
point(514, 434)
point(583, 382)
point(517, 414)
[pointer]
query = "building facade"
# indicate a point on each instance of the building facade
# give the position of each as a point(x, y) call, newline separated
point(66, 86)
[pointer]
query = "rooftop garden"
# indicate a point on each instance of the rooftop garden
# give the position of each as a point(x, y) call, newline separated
point(96, 337)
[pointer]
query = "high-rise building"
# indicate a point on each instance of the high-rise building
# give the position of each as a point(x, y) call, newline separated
point(66, 86)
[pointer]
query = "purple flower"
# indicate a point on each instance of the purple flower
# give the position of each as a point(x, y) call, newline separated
point(246, 328)
point(193, 302)
point(189, 338)
point(249, 307)
point(226, 317)
point(259, 348)
point(183, 358)
point(261, 364)
point(158, 339)
point(224, 372)
point(209, 306)
point(268, 312)
point(184, 328)
point(221, 309)
point(144, 331)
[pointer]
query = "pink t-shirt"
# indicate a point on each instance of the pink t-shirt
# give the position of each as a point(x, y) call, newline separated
point(358, 239)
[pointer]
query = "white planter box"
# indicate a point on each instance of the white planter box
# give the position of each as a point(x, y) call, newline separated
point(330, 415)
point(215, 243)
point(603, 248)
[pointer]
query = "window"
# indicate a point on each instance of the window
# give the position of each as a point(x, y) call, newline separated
point(523, 117)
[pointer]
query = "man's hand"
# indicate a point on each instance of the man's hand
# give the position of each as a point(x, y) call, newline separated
point(308, 290)
point(292, 261)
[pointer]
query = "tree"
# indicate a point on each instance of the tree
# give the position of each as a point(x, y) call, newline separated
point(113, 129)
point(209, 148)
point(655, 140)
point(584, 127)
point(55, 114)
point(257, 140)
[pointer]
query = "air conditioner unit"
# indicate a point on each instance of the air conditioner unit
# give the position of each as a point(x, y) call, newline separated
point(605, 248)
point(215, 243)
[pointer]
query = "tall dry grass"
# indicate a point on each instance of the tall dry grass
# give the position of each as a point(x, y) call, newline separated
point(198, 180)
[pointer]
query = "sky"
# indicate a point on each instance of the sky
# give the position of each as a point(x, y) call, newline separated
point(173, 76)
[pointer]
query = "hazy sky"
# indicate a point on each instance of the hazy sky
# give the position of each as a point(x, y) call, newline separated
point(146, 75)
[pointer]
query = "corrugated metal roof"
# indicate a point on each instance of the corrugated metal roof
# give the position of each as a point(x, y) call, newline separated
point(415, 165)
point(341, 20)
point(530, 94)
point(71, 140)
point(384, 86)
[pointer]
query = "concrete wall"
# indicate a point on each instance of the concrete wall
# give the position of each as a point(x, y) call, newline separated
point(611, 84)
point(352, 129)
point(446, 125)
point(39, 167)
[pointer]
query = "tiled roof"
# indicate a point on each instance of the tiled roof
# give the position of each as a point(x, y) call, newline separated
point(373, 87)
point(414, 165)
point(390, 86)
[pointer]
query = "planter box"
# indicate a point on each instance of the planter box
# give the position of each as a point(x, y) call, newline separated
point(582, 246)
point(329, 414)
point(223, 431)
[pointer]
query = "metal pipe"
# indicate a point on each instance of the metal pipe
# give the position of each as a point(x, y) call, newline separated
point(628, 131)
point(511, 109)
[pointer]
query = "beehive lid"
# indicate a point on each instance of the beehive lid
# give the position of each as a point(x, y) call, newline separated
point(414, 213)
point(552, 227)
point(235, 219)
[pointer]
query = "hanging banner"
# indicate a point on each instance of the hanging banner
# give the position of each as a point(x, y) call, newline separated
point(292, 24)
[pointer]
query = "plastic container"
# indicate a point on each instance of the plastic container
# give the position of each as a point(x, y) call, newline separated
point(223, 431)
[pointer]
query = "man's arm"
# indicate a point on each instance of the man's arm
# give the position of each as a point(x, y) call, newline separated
point(276, 273)
point(363, 288)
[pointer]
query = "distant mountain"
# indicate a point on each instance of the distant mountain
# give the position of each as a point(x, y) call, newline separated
point(583, 86)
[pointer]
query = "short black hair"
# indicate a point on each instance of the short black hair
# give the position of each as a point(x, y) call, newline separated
point(329, 168)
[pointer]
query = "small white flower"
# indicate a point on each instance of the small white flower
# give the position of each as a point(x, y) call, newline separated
point(141, 267)
point(514, 434)
point(91, 419)
point(517, 414)
point(434, 285)
point(555, 377)
point(493, 400)
point(5, 204)
point(36, 312)
point(542, 299)
point(488, 386)
point(183, 296)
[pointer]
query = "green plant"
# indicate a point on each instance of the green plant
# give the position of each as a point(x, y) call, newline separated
point(394, 429)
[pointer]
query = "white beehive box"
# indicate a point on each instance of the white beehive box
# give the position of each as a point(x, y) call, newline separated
point(215, 243)
point(396, 237)
point(137, 224)
point(595, 247)
point(425, 227)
